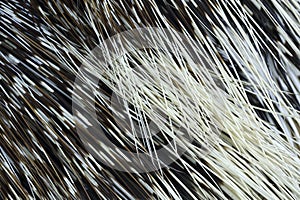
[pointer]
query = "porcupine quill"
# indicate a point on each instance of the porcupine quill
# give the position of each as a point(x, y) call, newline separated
point(254, 45)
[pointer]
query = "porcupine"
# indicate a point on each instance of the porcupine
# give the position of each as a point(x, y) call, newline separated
point(255, 46)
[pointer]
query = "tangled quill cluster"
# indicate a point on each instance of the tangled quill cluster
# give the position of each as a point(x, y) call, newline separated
point(239, 102)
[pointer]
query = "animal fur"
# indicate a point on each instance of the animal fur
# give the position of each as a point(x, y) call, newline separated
point(253, 47)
